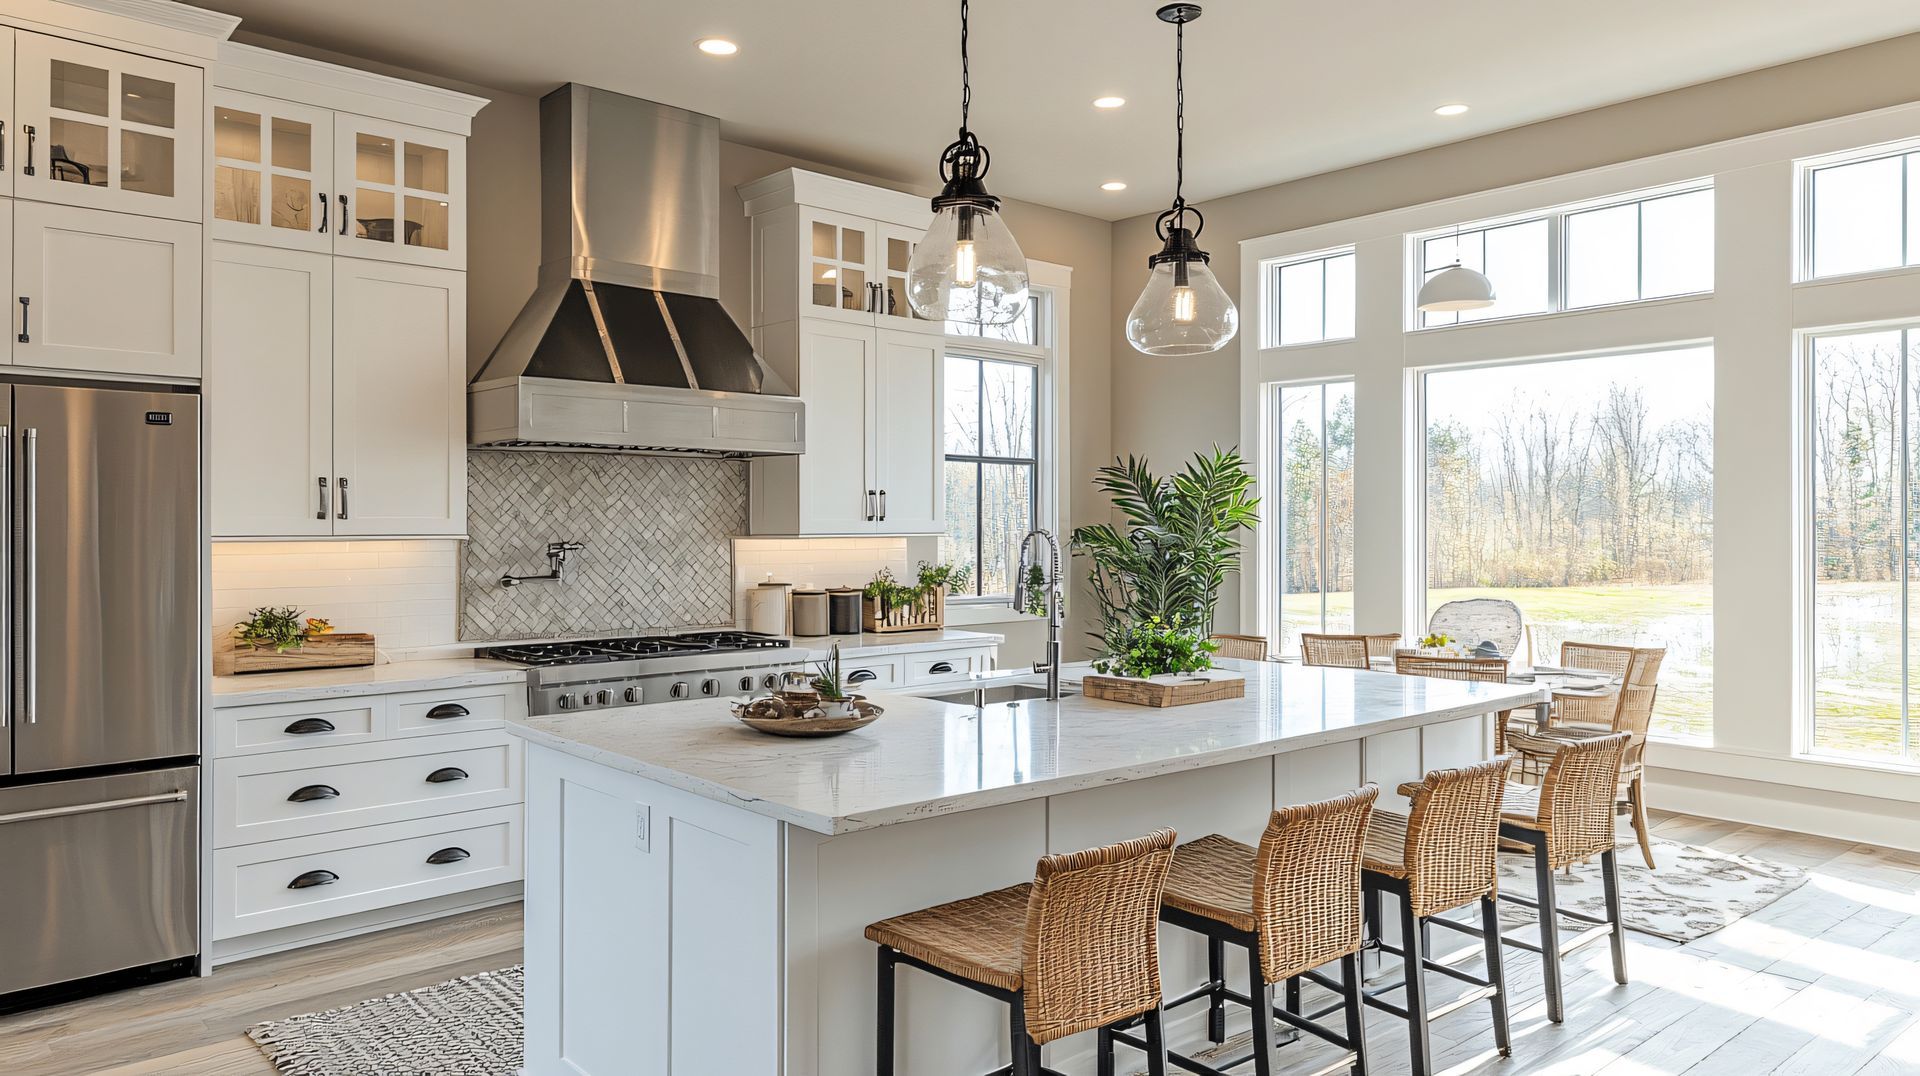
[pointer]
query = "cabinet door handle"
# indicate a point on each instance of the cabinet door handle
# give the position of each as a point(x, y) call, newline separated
point(28, 170)
point(449, 855)
point(940, 667)
point(26, 336)
point(883, 506)
point(861, 676)
point(309, 793)
point(307, 726)
point(3, 145)
point(343, 214)
point(445, 774)
point(313, 878)
point(343, 496)
point(325, 499)
point(446, 710)
point(870, 509)
point(323, 214)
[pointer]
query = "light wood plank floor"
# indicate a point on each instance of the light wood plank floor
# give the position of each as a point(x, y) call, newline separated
point(1824, 982)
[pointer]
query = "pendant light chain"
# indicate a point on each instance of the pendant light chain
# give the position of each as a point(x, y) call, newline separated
point(966, 73)
point(1179, 119)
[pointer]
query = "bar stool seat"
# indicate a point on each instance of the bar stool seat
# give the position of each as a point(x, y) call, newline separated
point(1213, 878)
point(978, 939)
point(1385, 849)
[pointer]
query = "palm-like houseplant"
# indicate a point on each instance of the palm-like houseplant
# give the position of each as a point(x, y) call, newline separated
point(1179, 542)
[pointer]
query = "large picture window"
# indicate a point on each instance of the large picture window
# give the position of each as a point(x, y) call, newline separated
point(992, 462)
point(1861, 434)
point(1582, 490)
point(1312, 527)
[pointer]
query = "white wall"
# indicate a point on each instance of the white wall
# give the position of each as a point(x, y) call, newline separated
point(1754, 767)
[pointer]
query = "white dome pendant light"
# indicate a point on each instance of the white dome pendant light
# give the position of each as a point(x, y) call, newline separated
point(1455, 288)
point(967, 267)
point(1182, 310)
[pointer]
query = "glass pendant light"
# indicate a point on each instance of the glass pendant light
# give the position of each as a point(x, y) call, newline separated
point(967, 267)
point(1455, 288)
point(1183, 310)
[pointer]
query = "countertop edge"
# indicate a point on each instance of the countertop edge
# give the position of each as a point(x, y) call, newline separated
point(231, 691)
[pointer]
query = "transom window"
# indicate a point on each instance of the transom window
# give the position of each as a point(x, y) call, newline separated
point(1310, 300)
point(1863, 216)
point(1516, 257)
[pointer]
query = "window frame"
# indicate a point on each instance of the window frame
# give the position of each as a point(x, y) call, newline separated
point(1805, 224)
point(1273, 542)
point(1271, 306)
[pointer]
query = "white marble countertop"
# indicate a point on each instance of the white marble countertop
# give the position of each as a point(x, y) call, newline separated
point(257, 688)
point(926, 758)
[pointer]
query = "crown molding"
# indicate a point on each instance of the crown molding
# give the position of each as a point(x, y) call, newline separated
point(193, 20)
point(253, 69)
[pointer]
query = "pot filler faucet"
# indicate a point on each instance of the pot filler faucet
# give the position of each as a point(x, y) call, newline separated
point(556, 565)
point(1052, 665)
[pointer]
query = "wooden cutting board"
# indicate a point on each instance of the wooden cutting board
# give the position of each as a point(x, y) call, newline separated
point(338, 650)
point(1166, 691)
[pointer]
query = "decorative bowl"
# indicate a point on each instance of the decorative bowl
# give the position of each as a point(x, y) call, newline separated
point(779, 717)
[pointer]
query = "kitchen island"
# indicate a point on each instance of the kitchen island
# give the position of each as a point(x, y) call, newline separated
point(697, 892)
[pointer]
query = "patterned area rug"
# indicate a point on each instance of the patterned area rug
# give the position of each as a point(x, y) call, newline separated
point(1695, 891)
point(463, 1027)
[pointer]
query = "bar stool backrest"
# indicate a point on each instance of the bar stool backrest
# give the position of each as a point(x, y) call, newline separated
point(1092, 952)
point(1306, 883)
point(1453, 836)
point(1243, 647)
point(1576, 798)
point(1479, 670)
point(1338, 651)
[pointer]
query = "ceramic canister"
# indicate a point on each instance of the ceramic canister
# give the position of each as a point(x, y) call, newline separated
point(767, 611)
point(810, 612)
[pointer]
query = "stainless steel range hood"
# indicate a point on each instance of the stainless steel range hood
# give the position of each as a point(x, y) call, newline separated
point(624, 345)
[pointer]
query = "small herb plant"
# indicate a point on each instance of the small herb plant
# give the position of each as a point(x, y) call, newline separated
point(888, 593)
point(1155, 647)
point(280, 628)
point(827, 681)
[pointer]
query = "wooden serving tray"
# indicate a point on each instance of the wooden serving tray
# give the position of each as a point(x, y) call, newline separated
point(338, 650)
point(1170, 691)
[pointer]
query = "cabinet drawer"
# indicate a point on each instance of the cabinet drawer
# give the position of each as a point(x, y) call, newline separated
point(252, 730)
point(422, 713)
point(271, 797)
point(937, 666)
point(285, 883)
point(885, 673)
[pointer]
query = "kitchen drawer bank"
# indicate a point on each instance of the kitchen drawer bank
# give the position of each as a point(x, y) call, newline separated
point(356, 800)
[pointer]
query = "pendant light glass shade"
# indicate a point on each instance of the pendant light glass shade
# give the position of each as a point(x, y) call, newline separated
point(967, 267)
point(1455, 288)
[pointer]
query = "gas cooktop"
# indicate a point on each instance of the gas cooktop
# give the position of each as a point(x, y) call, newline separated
point(592, 651)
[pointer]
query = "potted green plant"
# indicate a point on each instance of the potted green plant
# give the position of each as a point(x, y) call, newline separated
point(895, 606)
point(834, 700)
point(1154, 647)
point(1179, 541)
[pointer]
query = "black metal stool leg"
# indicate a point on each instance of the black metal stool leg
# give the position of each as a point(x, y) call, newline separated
point(1291, 994)
point(1021, 1045)
point(883, 1054)
point(1419, 1044)
point(1549, 932)
point(1217, 1001)
point(1496, 974)
point(1156, 1044)
point(1103, 1047)
point(1610, 880)
point(1265, 1063)
point(1370, 910)
point(1356, 1008)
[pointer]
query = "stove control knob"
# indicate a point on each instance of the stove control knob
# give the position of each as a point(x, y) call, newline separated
point(771, 681)
point(633, 694)
point(746, 683)
point(603, 697)
point(710, 687)
point(680, 690)
point(566, 702)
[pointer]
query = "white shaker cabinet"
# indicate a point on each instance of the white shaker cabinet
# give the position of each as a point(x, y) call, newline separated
point(272, 172)
point(105, 292)
point(909, 463)
point(400, 192)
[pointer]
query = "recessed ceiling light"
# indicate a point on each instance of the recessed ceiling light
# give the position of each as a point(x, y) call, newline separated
point(718, 46)
point(1113, 185)
point(1109, 102)
point(1449, 110)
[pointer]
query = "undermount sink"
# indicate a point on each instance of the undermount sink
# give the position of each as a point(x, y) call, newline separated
point(988, 696)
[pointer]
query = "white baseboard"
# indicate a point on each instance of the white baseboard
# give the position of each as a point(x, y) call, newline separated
point(228, 950)
point(1823, 813)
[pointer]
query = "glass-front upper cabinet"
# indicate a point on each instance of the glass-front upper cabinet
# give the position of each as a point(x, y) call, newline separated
point(401, 190)
point(838, 267)
point(105, 129)
point(894, 251)
point(272, 172)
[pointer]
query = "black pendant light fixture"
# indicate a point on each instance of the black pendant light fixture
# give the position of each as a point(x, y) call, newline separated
point(967, 267)
point(1182, 310)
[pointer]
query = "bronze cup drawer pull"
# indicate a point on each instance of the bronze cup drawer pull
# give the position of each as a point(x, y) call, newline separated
point(313, 878)
point(941, 667)
point(307, 726)
point(309, 793)
point(449, 855)
point(446, 773)
point(861, 676)
point(446, 710)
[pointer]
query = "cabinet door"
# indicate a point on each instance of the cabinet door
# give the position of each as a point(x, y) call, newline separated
point(838, 264)
point(106, 292)
point(270, 373)
point(837, 494)
point(106, 129)
point(893, 252)
point(401, 192)
point(399, 394)
point(910, 465)
point(10, 141)
point(272, 172)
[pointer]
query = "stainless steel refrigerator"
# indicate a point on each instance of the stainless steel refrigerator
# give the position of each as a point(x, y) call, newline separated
point(99, 687)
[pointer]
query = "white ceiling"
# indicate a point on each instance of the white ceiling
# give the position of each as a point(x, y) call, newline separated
point(1276, 89)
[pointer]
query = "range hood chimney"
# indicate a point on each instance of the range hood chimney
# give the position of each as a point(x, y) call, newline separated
point(624, 345)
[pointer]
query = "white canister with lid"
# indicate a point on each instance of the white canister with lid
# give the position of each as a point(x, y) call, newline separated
point(768, 608)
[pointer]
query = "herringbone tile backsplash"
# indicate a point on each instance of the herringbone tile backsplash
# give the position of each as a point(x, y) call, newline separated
point(656, 532)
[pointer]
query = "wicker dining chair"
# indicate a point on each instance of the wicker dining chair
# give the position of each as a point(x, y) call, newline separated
point(1477, 670)
point(1293, 904)
point(1243, 647)
point(1336, 651)
point(1383, 646)
point(1437, 857)
point(1073, 950)
point(1629, 710)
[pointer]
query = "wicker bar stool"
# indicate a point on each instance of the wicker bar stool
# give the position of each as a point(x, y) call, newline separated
point(1244, 647)
point(1336, 651)
point(1294, 904)
point(1439, 857)
point(1566, 819)
point(1478, 670)
point(1076, 949)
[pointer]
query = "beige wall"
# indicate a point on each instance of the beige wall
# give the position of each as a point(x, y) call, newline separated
point(1167, 409)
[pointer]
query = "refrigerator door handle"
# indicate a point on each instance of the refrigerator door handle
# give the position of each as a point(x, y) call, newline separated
point(29, 523)
point(176, 796)
point(6, 575)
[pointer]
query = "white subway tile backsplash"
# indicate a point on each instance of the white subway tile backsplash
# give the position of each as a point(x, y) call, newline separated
point(407, 593)
point(813, 562)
